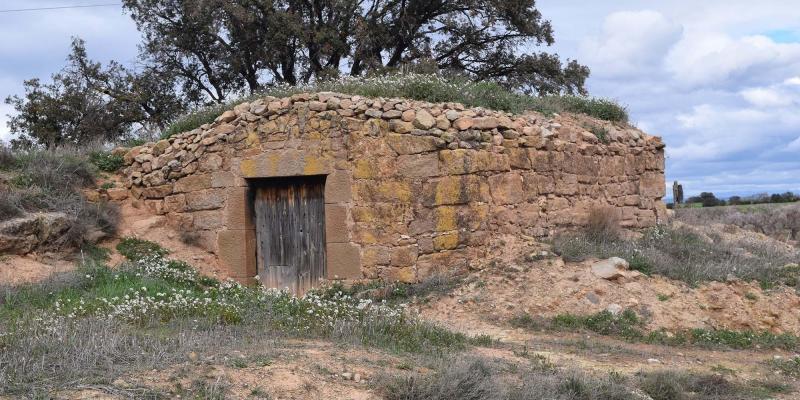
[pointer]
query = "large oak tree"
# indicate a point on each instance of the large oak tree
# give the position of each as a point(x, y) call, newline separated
point(218, 47)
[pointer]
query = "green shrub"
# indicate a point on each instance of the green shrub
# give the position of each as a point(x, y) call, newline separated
point(626, 324)
point(135, 248)
point(105, 161)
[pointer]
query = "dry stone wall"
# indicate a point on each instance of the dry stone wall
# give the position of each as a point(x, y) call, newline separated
point(411, 187)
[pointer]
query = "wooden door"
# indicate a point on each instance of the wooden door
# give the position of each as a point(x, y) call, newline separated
point(290, 229)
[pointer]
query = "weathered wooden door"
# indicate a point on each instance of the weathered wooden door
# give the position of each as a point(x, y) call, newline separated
point(290, 229)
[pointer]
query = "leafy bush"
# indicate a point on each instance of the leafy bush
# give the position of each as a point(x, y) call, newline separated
point(7, 158)
point(680, 385)
point(9, 205)
point(431, 88)
point(787, 366)
point(105, 161)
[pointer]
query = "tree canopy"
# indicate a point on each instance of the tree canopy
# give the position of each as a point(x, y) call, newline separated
point(199, 52)
point(88, 102)
point(217, 47)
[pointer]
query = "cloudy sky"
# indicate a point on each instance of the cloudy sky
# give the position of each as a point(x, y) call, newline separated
point(718, 80)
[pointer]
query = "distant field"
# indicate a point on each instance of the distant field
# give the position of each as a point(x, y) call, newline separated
point(778, 220)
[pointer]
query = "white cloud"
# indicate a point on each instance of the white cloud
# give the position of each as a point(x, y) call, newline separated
point(793, 81)
point(630, 41)
point(713, 59)
point(704, 75)
point(768, 97)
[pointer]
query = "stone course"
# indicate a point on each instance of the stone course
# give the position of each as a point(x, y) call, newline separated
point(412, 188)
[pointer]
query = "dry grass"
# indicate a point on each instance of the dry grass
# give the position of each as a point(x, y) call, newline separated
point(473, 378)
point(603, 224)
point(51, 181)
point(780, 221)
point(680, 253)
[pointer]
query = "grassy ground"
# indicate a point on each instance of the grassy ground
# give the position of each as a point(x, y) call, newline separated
point(682, 254)
point(430, 88)
point(481, 379)
point(780, 221)
point(88, 328)
point(95, 323)
point(629, 326)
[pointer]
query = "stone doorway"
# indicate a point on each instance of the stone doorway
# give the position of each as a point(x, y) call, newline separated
point(290, 231)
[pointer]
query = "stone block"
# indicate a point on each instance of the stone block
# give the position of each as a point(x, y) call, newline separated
point(237, 251)
point(506, 188)
point(339, 187)
point(179, 221)
point(157, 192)
point(418, 165)
point(404, 275)
point(456, 190)
point(155, 206)
point(210, 220)
point(209, 162)
point(207, 199)
point(382, 191)
point(223, 179)
point(411, 144)
point(238, 210)
point(652, 185)
point(175, 203)
point(193, 183)
point(336, 226)
point(288, 162)
point(404, 256)
point(463, 161)
point(344, 261)
point(518, 158)
point(375, 255)
point(446, 241)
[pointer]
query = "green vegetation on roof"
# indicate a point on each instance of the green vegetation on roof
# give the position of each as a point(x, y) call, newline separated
point(431, 88)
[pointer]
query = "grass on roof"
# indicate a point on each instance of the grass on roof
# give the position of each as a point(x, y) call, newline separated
point(431, 88)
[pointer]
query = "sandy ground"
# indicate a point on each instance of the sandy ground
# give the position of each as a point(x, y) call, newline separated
point(18, 270)
point(550, 287)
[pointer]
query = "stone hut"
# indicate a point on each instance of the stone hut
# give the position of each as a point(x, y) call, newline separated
point(333, 186)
